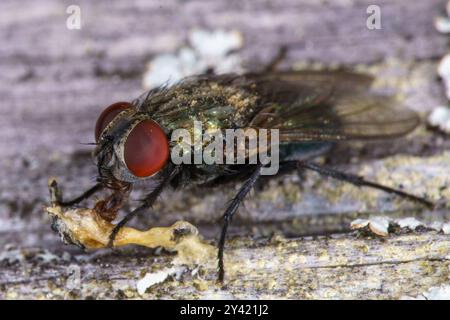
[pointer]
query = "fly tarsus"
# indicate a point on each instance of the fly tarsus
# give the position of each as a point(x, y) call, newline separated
point(85, 195)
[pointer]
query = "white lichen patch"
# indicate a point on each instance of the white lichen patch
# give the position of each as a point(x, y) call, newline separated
point(442, 24)
point(12, 256)
point(444, 68)
point(377, 225)
point(47, 257)
point(438, 293)
point(446, 228)
point(435, 293)
point(216, 43)
point(410, 223)
point(207, 50)
point(151, 279)
point(440, 118)
point(381, 226)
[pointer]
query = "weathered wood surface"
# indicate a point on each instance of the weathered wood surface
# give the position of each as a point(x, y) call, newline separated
point(333, 267)
point(54, 82)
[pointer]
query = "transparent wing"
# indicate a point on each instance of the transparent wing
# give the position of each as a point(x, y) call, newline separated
point(328, 106)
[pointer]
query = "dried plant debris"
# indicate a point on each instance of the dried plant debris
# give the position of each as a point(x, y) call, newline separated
point(383, 226)
point(88, 230)
point(207, 50)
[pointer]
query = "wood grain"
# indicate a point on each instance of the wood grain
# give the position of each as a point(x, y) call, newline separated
point(55, 81)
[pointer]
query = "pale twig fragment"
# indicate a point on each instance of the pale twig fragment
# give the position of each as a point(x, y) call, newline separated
point(87, 229)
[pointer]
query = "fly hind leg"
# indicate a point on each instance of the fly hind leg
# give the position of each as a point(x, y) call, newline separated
point(360, 181)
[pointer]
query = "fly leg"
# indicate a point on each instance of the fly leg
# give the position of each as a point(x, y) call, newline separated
point(228, 215)
point(360, 181)
point(85, 195)
point(147, 203)
point(109, 207)
point(273, 65)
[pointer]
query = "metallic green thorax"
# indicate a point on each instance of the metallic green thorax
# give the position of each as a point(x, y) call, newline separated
point(215, 105)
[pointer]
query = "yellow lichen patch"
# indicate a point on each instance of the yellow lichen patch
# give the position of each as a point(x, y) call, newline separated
point(201, 285)
point(419, 175)
point(288, 192)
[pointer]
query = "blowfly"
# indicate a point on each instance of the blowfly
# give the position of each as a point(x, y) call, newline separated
point(312, 111)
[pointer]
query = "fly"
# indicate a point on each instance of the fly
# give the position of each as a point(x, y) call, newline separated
point(311, 111)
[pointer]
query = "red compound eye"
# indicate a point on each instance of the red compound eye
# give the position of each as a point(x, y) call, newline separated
point(108, 115)
point(146, 149)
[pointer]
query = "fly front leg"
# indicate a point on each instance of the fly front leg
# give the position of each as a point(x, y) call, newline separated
point(85, 195)
point(148, 202)
point(228, 215)
point(109, 207)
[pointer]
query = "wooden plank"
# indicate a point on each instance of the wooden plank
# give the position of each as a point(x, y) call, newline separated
point(54, 83)
point(332, 267)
